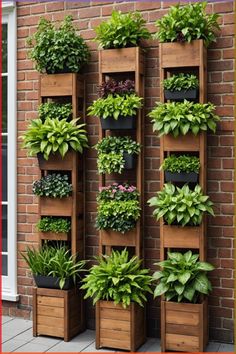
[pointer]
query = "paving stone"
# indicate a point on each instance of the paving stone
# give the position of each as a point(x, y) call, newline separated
point(16, 326)
point(226, 348)
point(151, 345)
point(91, 348)
point(68, 347)
point(12, 345)
point(26, 335)
point(49, 341)
point(33, 348)
point(6, 319)
point(213, 347)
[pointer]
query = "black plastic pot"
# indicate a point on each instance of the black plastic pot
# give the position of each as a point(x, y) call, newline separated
point(40, 159)
point(50, 282)
point(181, 95)
point(130, 161)
point(181, 177)
point(122, 123)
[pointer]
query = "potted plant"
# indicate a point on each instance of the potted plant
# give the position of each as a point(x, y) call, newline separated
point(182, 211)
point(182, 168)
point(53, 228)
point(183, 283)
point(116, 154)
point(187, 119)
point(180, 87)
point(118, 285)
point(117, 106)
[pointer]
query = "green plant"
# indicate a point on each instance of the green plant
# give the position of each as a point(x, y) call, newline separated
point(183, 117)
point(186, 23)
point(182, 163)
point(118, 278)
point(53, 261)
point(53, 110)
point(180, 82)
point(181, 206)
point(111, 151)
point(118, 208)
point(116, 87)
point(54, 186)
point(51, 224)
point(115, 106)
point(57, 50)
point(183, 277)
point(54, 135)
point(122, 30)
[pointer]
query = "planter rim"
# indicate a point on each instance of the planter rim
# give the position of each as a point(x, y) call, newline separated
point(186, 303)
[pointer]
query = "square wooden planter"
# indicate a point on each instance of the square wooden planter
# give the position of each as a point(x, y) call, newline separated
point(173, 55)
point(119, 328)
point(121, 60)
point(56, 163)
point(56, 85)
point(184, 327)
point(114, 238)
point(57, 313)
point(181, 237)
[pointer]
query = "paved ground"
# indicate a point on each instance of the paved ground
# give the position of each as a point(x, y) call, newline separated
point(17, 337)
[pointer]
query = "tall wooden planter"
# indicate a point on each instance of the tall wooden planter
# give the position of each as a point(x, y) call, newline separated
point(119, 328)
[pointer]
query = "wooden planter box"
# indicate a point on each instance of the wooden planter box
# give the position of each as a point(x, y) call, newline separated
point(184, 327)
point(57, 313)
point(121, 60)
point(114, 238)
point(60, 206)
point(173, 55)
point(119, 328)
point(56, 163)
point(181, 237)
point(53, 236)
point(188, 142)
point(55, 85)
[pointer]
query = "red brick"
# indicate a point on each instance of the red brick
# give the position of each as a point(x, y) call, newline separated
point(228, 30)
point(37, 9)
point(223, 43)
point(228, 54)
point(227, 186)
point(222, 7)
point(89, 12)
point(147, 5)
point(228, 164)
point(55, 6)
point(228, 100)
point(229, 18)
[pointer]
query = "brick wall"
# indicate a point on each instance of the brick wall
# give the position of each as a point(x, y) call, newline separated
point(220, 150)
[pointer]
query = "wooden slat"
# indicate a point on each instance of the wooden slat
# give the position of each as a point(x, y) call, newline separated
point(115, 314)
point(56, 162)
point(118, 60)
point(56, 85)
point(51, 292)
point(181, 237)
point(119, 335)
point(50, 321)
point(188, 142)
point(180, 329)
point(185, 318)
point(51, 301)
point(55, 206)
point(174, 306)
point(50, 331)
point(112, 343)
point(60, 236)
point(113, 238)
point(54, 311)
point(115, 325)
point(182, 343)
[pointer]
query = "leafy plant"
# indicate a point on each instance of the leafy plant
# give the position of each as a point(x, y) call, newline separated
point(122, 30)
point(54, 135)
point(118, 278)
point(181, 206)
point(53, 110)
point(118, 208)
point(111, 151)
point(116, 87)
point(182, 163)
point(183, 117)
point(186, 23)
point(54, 186)
point(115, 106)
point(51, 224)
point(57, 50)
point(53, 261)
point(183, 277)
point(180, 82)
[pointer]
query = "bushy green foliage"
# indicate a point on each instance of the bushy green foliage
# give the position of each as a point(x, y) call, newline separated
point(111, 151)
point(118, 208)
point(182, 163)
point(55, 110)
point(54, 135)
point(115, 106)
point(54, 185)
point(53, 224)
point(53, 261)
point(119, 279)
point(57, 50)
point(180, 82)
point(182, 278)
point(181, 206)
point(183, 117)
point(122, 30)
point(186, 23)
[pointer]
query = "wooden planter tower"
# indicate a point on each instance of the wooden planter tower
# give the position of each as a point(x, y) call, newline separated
point(184, 327)
point(122, 64)
point(60, 313)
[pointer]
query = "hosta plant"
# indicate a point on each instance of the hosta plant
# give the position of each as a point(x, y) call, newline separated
point(53, 224)
point(118, 278)
point(111, 151)
point(118, 208)
point(178, 118)
point(180, 82)
point(55, 110)
point(182, 277)
point(122, 30)
point(181, 206)
point(54, 135)
point(57, 49)
point(181, 163)
point(116, 106)
point(116, 87)
point(186, 23)
point(53, 185)
point(54, 262)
